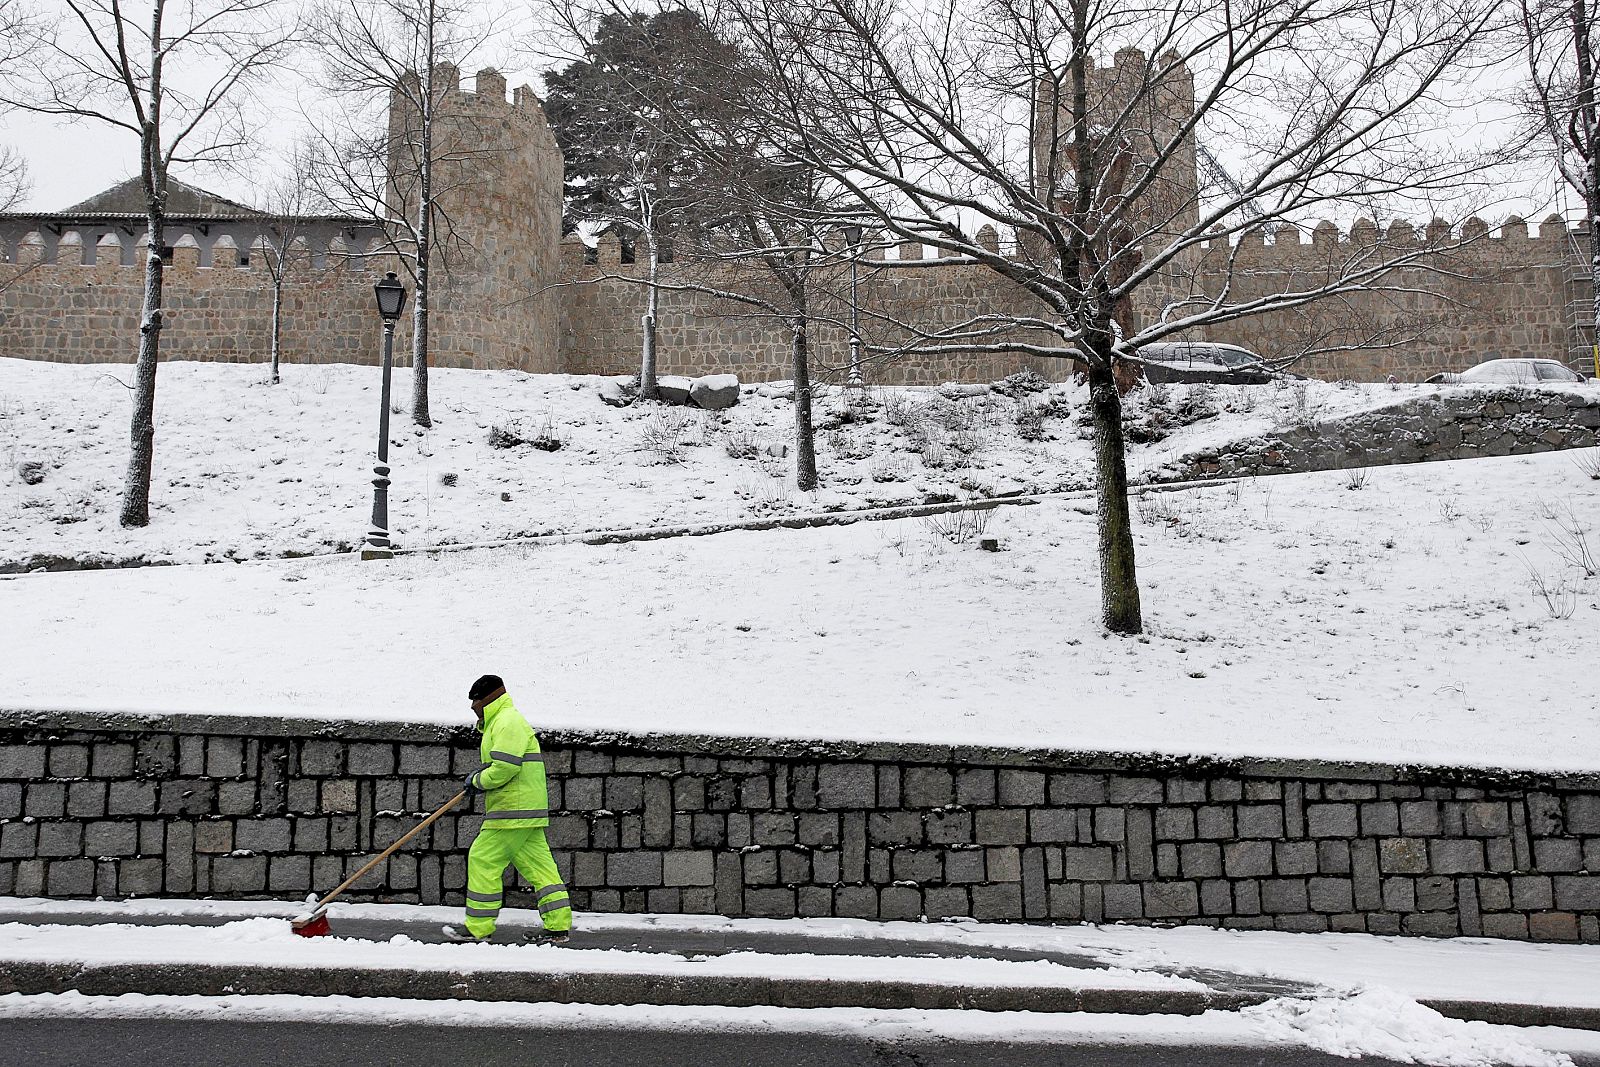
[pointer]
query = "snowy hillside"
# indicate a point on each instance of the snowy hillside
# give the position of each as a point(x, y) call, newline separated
point(245, 470)
point(1439, 613)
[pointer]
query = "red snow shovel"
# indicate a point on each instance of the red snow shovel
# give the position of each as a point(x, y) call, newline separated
point(314, 923)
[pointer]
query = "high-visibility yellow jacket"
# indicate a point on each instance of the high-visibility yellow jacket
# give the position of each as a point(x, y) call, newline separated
point(512, 775)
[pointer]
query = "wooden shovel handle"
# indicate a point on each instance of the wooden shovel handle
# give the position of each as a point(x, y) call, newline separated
point(386, 853)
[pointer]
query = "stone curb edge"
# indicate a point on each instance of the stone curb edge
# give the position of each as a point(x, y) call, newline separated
point(45, 720)
point(623, 988)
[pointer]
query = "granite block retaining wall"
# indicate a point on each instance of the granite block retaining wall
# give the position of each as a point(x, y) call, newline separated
point(184, 806)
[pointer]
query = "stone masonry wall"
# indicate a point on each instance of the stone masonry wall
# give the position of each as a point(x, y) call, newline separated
point(1461, 424)
point(220, 806)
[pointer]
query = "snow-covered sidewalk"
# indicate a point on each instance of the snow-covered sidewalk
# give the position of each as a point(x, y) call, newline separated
point(1288, 617)
point(1352, 995)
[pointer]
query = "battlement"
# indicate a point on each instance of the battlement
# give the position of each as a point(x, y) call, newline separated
point(1472, 236)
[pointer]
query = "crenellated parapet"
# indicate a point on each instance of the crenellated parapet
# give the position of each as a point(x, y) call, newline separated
point(66, 240)
point(1291, 246)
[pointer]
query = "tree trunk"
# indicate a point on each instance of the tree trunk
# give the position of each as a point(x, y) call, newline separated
point(1586, 119)
point(1119, 584)
point(277, 320)
point(419, 306)
point(419, 349)
point(136, 488)
point(652, 304)
point(805, 452)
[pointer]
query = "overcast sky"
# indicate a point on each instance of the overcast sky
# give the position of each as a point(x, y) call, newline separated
point(72, 161)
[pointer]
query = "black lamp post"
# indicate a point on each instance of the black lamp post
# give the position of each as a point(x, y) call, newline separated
point(391, 298)
point(852, 234)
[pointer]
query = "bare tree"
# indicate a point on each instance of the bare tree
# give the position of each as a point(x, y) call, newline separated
point(181, 86)
point(403, 167)
point(1559, 49)
point(290, 197)
point(943, 117)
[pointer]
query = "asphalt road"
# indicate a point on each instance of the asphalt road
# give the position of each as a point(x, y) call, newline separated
point(73, 1042)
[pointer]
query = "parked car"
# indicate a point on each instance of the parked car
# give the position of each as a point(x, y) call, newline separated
point(1205, 361)
point(1513, 372)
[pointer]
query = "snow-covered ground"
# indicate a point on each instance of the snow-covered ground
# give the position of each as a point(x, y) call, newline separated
point(1361, 998)
point(245, 470)
point(1291, 616)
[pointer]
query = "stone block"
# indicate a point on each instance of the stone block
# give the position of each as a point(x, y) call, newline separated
point(1174, 824)
point(60, 839)
point(899, 902)
point(816, 828)
point(1350, 791)
point(239, 874)
point(1258, 821)
point(997, 902)
point(1087, 864)
point(224, 757)
point(1186, 791)
point(70, 878)
point(1171, 900)
point(423, 760)
point(1577, 892)
point(1216, 897)
point(1295, 857)
point(1420, 818)
point(1110, 825)
point(1122, 900)
point(1004, 865)
point(1436, 893)
point(1511, 927)
point(1557, 854)
point(1074, 788)
point(274, 834)
point(1553, 926)
point(1201, 860)
point(976, 787)
point(19, 840)
point(112, 759)
point(1331, 820)
point(1455, 856)
point(947, 902)
point(928, 787)
point(846, 785)
point(1380, 818)
point(634, 869)
point(111, 839)
point(1583, 814)
point(774, 828)
point(1486, 818)
point(686, 868)
point(46, 800)
point(131, 797)
point(1403, 855)
point(1330, 895)
point(624, 793)
point(949, 828)
point(1022, 788)
point(86, 800)
point(155, 756)
point(917, 865)
point(964, 866)
point(1281, 896)
point(1001, 827)
point(213, 836)
point(69, 761)
point(139, 878)
point(887, 829)
point(1052, 826)
point(339, 795)
point(1214, 822)
point(1247, 859)
point(292, 874)
point(1125, 789)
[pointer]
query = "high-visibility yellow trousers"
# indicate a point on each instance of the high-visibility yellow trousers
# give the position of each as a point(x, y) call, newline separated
point(492, 852)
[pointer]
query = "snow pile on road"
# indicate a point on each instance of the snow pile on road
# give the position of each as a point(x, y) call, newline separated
point(1380, 1022)
point(246, 470)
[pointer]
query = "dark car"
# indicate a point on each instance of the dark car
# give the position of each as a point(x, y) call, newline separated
point(1205, 361)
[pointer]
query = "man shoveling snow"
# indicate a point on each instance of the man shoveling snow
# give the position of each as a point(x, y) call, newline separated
point(516, 812)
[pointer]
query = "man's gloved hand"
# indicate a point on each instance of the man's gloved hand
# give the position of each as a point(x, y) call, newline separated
point(472, 785)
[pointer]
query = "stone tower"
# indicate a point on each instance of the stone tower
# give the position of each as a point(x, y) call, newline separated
point(498, 178)
point(1145, 102)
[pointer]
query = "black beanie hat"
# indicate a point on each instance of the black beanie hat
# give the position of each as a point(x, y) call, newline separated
point(484, 686)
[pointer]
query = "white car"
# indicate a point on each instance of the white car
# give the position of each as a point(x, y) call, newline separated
point(1513, 372)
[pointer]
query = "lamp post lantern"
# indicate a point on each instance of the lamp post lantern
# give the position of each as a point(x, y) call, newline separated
point(391, 298)
point(852, 234)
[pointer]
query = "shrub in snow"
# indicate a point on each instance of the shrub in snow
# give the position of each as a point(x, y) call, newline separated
point(1029, 421)
point(31, 471)
point(959, 527)
point(448, 478)
point(519, 432)
point(661, 434)
point(1023, 383)
point(741, 446)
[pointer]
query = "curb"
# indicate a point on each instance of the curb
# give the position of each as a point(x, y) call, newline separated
point(206, 979)
point(623, 988)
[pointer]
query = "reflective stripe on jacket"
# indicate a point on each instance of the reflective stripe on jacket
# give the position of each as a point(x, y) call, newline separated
point(512, 775)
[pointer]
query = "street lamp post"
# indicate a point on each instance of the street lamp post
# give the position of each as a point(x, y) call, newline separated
point(391, 298)
point(852, 234)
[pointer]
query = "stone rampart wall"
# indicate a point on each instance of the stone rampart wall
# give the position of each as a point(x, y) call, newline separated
point(118, 806)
